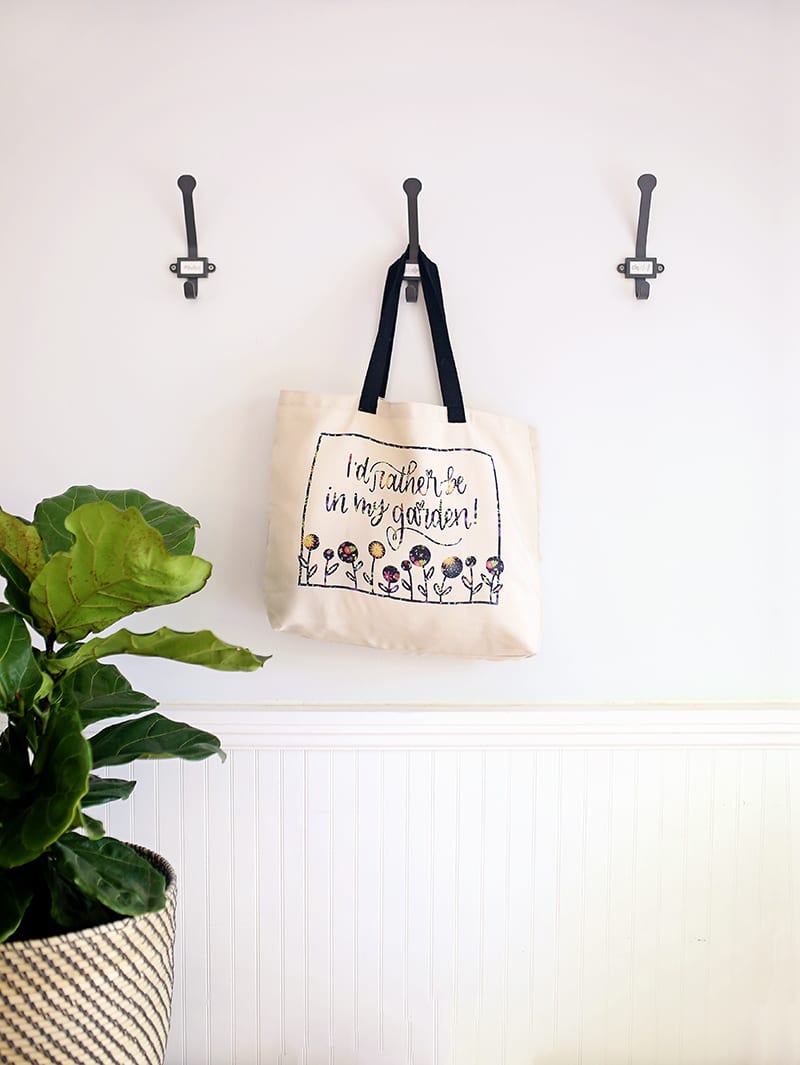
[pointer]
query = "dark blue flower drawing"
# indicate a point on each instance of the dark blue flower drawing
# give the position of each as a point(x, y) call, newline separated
point(421, 556)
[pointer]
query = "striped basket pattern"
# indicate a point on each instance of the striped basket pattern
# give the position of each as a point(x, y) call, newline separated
point(102, 995)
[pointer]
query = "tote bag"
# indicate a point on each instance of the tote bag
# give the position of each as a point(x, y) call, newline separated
point(405, 526)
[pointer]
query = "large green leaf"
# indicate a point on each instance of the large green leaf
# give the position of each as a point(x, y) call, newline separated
point(17, 586)
point(15, 897)
point(196, 648)
point(70, 908)
point(15, 769)
point(21, 558)
point(20, 541)
point(21, 680)
point(175, 525)
point(106, 789)
point(98, 691)
point(112, 872)
point(61, 765)
point(152, 736)
point(117, 566)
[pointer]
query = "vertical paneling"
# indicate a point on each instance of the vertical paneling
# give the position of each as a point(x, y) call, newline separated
point(245, 906)
point(369, 940)
point(696, 944)
point(294, 931)
point(221, 959)
point(446, 878)
point(343, 904)
point(419, 946)
point(452, 906)
point(468, 904)
point(492, 977)
point(623, 904)
point(593, 1019)
point(195, 912)
point(267, 1029)
point(316, 888)
point(520, 902)
point(571, 840)
point(394, 915)
point(722, 1036)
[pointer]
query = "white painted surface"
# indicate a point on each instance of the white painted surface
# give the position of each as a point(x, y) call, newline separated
point(459, 887)
point(662, 423)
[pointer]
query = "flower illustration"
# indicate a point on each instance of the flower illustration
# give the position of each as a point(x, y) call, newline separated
point(495, 567)
point(348, 553)
point(391, 574)
point(328, 554)
point(469, 582)
point(376, 550)
point(408, 582)
point(451, 567)
point(310, 543)
point(419, 555)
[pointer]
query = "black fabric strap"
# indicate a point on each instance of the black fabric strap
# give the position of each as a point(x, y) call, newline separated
point(377, 377)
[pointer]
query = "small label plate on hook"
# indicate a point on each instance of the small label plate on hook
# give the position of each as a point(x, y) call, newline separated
point(185, 267)
point(640, 267)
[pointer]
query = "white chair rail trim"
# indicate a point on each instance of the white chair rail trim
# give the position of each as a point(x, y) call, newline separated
point(286, 726)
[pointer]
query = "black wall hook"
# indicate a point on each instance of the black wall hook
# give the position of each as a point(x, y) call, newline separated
point(412, 187)
point(191, 267)
point(640, 267)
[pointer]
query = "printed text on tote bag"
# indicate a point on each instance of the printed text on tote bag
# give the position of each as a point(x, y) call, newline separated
point(414, 524)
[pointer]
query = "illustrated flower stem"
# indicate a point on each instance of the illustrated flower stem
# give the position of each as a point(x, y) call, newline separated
point(372, 577)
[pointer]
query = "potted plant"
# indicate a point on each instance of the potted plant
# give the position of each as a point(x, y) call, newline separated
point(87, 921)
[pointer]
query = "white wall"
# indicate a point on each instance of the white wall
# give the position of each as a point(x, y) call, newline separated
point(366, 887)
point(528, 125)
point(669, 446)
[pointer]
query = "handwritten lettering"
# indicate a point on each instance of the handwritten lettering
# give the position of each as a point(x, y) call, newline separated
point(380, 476)
point(335, 501)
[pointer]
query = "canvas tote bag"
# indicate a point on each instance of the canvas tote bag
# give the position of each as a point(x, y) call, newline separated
point(404, 526)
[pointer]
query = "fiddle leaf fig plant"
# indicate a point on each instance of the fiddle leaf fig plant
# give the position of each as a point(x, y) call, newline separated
point(89, 559)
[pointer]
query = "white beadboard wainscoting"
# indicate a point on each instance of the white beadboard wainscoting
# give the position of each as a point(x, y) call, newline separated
point(463, 886)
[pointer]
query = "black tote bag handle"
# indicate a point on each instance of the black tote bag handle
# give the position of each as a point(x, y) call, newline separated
point(377, 377)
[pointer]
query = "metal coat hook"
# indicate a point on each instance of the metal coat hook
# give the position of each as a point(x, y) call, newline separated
point(191, 266)
point(412, 187)
point(640, 267)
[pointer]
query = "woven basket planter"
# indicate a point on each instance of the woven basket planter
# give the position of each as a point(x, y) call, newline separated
point(101, 996)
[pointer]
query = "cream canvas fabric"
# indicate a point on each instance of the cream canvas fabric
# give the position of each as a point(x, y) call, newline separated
point(403, 529)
